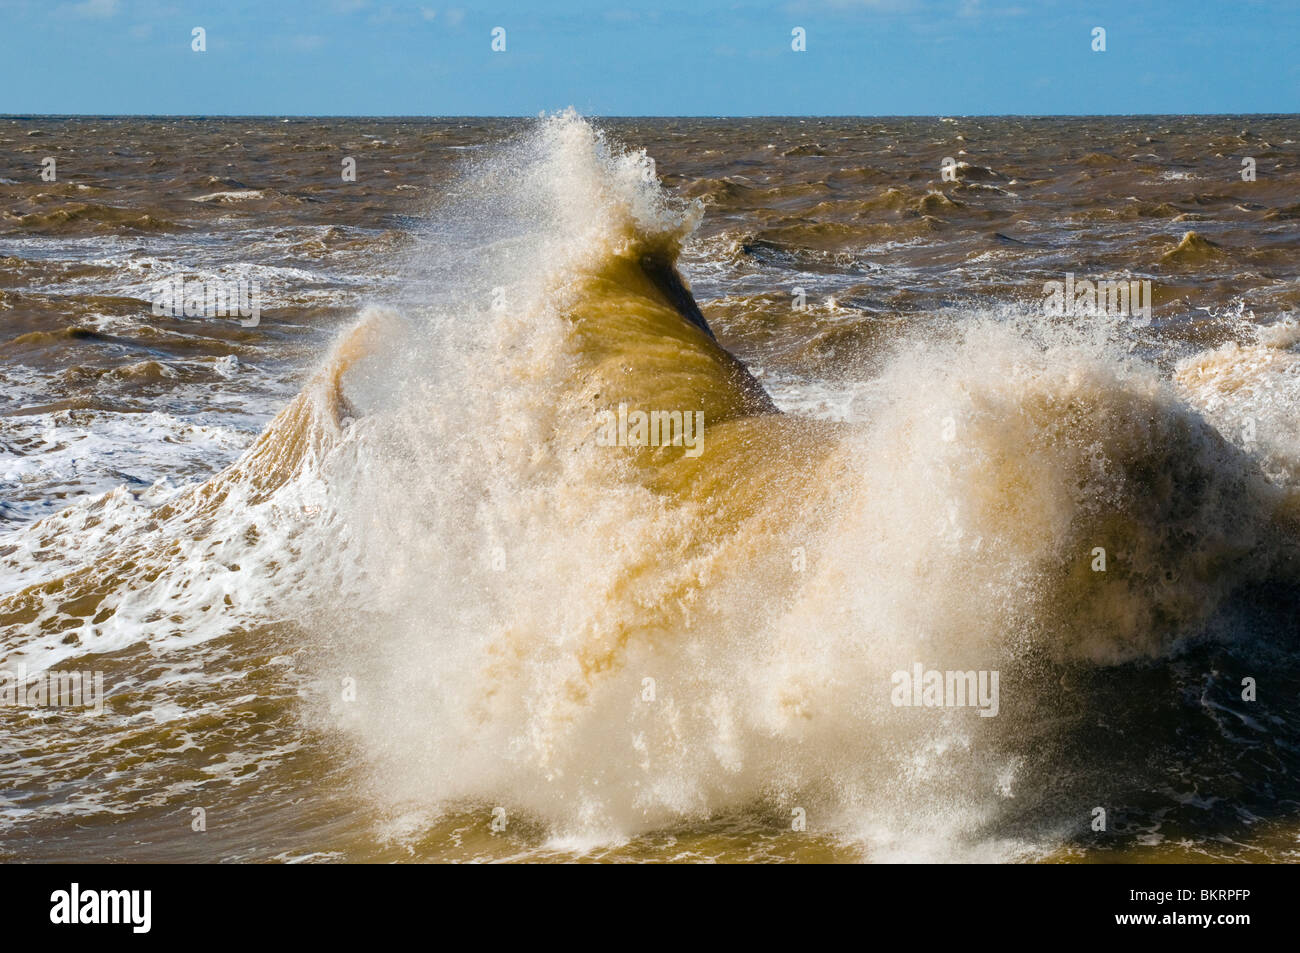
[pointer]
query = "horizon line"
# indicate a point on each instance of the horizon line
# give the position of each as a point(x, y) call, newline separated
point(1118, 115)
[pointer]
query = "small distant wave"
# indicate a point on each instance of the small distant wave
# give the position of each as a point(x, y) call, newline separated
point(82, 216)
point(227, 197)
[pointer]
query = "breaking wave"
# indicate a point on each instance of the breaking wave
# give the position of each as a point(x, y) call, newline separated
point(614, 640)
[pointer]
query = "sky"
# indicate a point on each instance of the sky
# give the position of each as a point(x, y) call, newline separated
point(649, 57)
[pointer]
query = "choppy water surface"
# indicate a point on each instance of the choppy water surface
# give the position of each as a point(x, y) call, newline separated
point(361, 579)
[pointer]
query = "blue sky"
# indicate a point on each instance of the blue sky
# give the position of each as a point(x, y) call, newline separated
point(649, 57)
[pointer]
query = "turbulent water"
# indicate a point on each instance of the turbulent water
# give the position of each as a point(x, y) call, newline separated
point(365, 580)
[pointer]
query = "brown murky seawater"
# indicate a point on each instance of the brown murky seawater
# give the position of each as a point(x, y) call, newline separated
point(364, 585)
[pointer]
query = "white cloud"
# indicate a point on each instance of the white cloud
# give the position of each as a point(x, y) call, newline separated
point(95, 9)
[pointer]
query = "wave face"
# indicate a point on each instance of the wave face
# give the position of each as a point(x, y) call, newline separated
point(430, 596)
